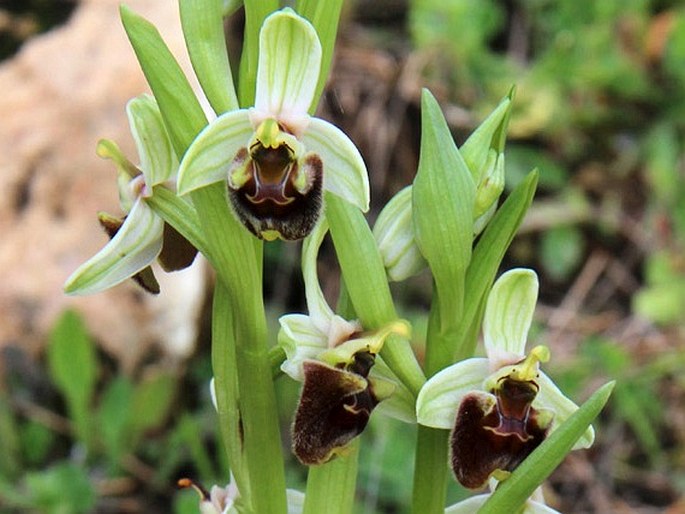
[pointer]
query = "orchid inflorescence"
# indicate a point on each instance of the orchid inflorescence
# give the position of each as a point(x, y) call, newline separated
point(264, 168)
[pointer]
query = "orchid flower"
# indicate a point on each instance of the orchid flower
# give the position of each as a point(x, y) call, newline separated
point(500, 408)
point(275, 157)
point(140, 236)
point(334, 358)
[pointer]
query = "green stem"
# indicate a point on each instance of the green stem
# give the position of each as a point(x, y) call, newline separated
point(226, 384)
point(237, 257)
point(331, 486)
point(430, 465)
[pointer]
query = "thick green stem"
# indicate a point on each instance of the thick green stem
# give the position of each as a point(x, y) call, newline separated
point(430, 465)
point(330, 487)
point(237, 258)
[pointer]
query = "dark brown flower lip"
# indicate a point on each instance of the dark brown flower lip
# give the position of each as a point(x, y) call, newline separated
point(495, 432)
point(281, 208)
point(335, 406)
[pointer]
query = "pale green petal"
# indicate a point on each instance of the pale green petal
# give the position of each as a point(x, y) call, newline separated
point(158, 159)
point(211, 153)
point(289, 65)
point(400, 405)
point(300, 339)
point(317, 306)
point(135, 246)
point(439, 398)
point(468, 506)
point(295, 501)
point(394, 233)
point(551, 398)
point(343, 167)
point(509, 313)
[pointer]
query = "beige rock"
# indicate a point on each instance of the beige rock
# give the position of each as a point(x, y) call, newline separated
point(63, 91)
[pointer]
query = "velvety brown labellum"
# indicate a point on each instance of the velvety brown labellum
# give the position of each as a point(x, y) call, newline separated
point(335, 405)
point(494, 432)
point(269, 201)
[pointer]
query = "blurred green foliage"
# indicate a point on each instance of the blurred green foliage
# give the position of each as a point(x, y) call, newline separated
point(600, 87)
point(56, 462)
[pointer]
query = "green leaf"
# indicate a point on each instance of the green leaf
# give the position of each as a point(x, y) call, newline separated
point(561, 251)
point(181, 111)
point(442, 200)
point(36, 442)
point(73, 368)
point(203, 29)
point(64, 488)
point(513, 492)
point(152, 401)
point(325, 17)
point(486, 259)
point(114, 416)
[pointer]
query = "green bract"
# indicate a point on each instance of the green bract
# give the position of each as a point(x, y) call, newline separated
point(137, 239)
point(272, 153)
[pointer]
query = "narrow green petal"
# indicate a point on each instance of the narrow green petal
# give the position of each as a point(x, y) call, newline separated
point(552, 399)
point(301, 340)
point(158, 159)
point(317, 306)
point(439, 399)
point(394, 233)
point(136, 244)
point(344, 170)
point(509, 313)
point(210, 155)
point(289, 65)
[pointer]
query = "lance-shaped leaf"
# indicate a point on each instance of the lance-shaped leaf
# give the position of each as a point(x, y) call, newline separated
point(203, 30)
